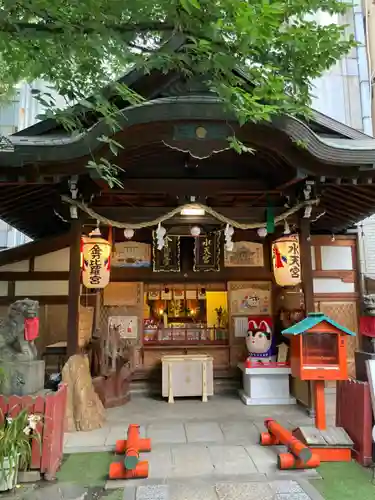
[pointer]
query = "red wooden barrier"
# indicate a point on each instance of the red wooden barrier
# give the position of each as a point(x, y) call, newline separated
point(354, 414)
point(46, 454)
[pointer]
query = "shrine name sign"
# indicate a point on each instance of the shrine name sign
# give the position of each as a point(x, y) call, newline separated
point(207, 253)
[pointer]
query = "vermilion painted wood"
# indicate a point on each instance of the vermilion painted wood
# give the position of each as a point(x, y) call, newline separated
point(47, 453)
point(354, 414)
point(53, 432)
point(36, 451)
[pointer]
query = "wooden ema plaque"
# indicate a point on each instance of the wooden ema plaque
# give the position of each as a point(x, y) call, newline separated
point(318, 353)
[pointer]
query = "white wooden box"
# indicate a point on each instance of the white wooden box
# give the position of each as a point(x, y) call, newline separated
point(187, 375)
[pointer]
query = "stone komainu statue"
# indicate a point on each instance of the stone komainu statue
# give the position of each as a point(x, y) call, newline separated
point(14, 345)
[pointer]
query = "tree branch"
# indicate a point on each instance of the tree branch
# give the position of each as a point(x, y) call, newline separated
point(56, 29)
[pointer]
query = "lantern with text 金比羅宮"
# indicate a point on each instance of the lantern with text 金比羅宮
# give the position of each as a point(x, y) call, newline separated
point(96, 254)
point(286, 260)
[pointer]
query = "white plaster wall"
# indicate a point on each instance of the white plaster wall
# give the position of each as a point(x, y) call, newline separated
point(41, 288)
point(337, 258)
point(3, 288)
point(54, 261)
point(21, 266)
point(332, 285)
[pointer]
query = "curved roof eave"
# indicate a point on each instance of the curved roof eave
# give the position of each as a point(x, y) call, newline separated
point(26, 149)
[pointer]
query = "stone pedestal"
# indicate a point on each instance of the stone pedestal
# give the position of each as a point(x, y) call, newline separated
point(22, 377)
point(266, 386)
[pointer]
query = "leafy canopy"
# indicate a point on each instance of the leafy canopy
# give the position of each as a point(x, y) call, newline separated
point(81, 46)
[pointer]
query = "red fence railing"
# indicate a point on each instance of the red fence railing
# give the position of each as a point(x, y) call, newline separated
point(354, 414)
point(47, 454)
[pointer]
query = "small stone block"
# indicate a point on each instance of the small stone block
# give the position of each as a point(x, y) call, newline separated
point(152, 492)
point(28, 476)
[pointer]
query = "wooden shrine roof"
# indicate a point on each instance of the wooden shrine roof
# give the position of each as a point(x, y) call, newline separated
point(165, 164)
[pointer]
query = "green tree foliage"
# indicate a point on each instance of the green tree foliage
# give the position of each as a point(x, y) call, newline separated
point(80, 46)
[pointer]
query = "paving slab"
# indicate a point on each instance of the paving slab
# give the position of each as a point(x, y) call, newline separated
point(192, 492)
point(244, 491)
point(160, 462)
point(57, 491)
point(232, 460)
point(203, 432)
point(191, 461)
point(86, 440)
point(240, 432)
point(120, 432)
point(171, 432)
point(292, 496)
point(286, 486)
point(153, 492)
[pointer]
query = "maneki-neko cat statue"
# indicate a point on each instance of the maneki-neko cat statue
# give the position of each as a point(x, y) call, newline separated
point(260, 340)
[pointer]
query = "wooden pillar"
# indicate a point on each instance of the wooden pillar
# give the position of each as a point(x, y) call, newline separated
point(308, 288)
point(306, 265)
point(74, 287)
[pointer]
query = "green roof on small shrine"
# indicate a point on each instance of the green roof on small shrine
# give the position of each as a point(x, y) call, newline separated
point(314, 319)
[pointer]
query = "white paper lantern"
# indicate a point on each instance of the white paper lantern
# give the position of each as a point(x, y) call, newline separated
point(195, 231)
point(96, 254)
point(262, 232)
point(286, 258)
point(129, 233)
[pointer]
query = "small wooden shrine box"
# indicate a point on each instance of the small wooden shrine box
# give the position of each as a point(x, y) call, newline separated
point(318, 348)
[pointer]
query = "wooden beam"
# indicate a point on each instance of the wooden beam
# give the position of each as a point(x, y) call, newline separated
point(33, 249)
point(74, 287)
point(139, 214)
point(190, 187)
point(306, 265)
point(226, 274)
point(42, 299)
point(34, 276)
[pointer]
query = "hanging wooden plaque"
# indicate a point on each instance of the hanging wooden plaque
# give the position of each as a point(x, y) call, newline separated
point(167, 259)
point(244, 254)
point(207, 253)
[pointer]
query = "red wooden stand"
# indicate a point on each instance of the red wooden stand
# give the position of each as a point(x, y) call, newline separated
point(299, 456)
point(131, 467)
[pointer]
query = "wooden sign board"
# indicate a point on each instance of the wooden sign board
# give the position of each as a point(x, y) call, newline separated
point(241, 326)
point(131, 254)
point(127, 326)
point(122, 294)
point(248, 298)
point(167, 259)
point(244, 254)
point(207, 253)
point(85, 325)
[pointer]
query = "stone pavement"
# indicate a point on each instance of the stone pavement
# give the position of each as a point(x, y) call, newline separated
point(194, 490)
point(204, 450)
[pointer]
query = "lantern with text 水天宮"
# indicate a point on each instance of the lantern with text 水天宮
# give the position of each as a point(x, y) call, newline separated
point(286, 260)
point(96, 254)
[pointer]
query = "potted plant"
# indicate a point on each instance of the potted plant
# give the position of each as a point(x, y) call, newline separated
point(16, 436)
